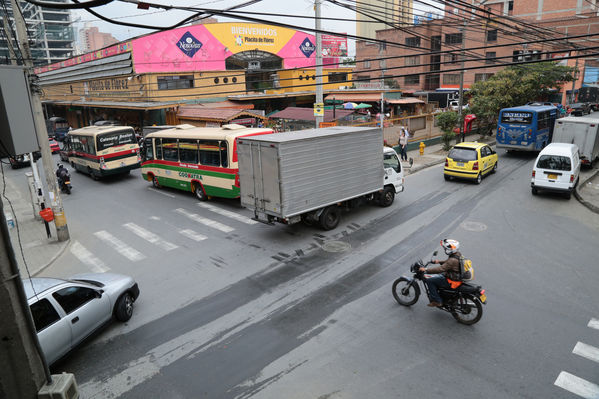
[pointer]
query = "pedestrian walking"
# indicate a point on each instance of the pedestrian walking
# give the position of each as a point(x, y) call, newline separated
point(403, 144)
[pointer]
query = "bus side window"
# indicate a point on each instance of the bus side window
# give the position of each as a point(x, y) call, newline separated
point(188, 150)
point(148, 149)
point(209, 154)
point(224, 155)
point(170, 150)
point(158, 148)
point(91, 145)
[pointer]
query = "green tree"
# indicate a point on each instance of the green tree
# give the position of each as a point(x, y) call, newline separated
point(446, 122)
point(515, 86)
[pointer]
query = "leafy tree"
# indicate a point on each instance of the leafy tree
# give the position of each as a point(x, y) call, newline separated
point(515, 86)
point(446, 122)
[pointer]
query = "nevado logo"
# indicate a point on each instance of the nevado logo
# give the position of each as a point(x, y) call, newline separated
point(189, 44)
point(307, 47)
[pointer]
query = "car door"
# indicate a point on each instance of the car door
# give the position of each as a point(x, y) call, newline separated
point(86, 310)
point(393, 172)
point(53, 332)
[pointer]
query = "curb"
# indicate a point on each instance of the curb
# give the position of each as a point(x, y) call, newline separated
point(49, 263)
point(592, 207)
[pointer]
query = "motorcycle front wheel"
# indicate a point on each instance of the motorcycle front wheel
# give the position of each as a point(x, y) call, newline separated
point(468, 310)
point(405, 292)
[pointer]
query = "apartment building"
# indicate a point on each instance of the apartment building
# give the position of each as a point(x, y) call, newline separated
point(387, 13)
point(51, 34)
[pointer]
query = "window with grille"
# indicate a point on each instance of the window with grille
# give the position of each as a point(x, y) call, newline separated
point(175, 82)
point(451, 78)
point(453, 38)
point(414, 60)
point(412, 80)
point(413, 41)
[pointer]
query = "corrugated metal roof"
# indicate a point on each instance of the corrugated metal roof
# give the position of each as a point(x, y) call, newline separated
point(307, 114)
point(213, 114)
point(115, 104)
point(355, 97)
point(406, 100)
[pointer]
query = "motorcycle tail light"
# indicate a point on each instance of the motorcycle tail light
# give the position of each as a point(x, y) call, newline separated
point(475, 166)
point(482, 292)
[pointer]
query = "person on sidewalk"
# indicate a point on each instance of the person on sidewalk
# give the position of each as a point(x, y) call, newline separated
point(449, 268)
point(403, 144)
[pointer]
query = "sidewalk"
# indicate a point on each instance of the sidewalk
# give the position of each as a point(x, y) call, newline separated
point(33, 250)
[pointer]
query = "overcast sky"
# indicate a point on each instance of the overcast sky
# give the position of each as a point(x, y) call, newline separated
point(129, 13)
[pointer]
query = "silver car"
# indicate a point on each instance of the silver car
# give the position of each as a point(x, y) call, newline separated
point(65, 312)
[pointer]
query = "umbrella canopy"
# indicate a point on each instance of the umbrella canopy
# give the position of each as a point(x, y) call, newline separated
point(363, 105)
point(350, 105)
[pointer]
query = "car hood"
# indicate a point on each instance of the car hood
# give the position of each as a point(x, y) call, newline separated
point(113, 284)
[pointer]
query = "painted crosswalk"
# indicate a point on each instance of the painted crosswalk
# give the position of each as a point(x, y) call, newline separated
point(229, 214)
point(150, 237)
point(574, 384)
point(192, 235)
point(205, 221)
point(86, 257)
point(121, 242)
point(128, 252)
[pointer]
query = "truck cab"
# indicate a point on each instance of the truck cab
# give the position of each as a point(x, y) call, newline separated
point(394, 176)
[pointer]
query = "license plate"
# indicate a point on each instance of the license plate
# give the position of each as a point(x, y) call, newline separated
point(513, 142)
point(67, 182)
point(483, 298)
point(460, 163)
point(552, 176)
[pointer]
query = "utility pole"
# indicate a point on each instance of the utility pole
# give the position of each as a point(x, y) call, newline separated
point(60, 220)
point(574, 82)
point(319, 88)
point(460, 99)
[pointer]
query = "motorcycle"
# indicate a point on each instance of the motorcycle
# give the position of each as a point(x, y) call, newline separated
point(65, 183)
point(465, 303)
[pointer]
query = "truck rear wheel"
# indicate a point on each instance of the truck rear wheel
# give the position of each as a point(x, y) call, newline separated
point(330, 217)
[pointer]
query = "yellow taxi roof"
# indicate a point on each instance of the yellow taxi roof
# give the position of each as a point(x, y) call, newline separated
point(470, 144)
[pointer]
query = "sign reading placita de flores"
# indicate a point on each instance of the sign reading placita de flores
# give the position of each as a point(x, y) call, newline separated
point(108, 84)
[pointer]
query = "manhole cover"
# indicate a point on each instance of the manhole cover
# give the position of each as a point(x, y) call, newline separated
point(336, 246)
point(473, 226)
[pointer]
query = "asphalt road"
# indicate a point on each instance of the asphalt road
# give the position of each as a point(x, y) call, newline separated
point(236, 310)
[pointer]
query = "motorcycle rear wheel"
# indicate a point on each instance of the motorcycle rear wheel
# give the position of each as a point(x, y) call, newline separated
point(468, 310)
point(404, 292)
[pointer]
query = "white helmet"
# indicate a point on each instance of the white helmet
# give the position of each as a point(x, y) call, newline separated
point(450, 246)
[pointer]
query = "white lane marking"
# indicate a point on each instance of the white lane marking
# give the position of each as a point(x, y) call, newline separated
point(229, 214)
point(122, 248)
point(577, 385)
point(192, 235)
point(150, 237)
point(161, 192)
point(594, 323)
point(586, 351)
point(81, 253)
point(205, 221)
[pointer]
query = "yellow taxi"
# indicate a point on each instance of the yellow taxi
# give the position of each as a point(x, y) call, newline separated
point(470, 160)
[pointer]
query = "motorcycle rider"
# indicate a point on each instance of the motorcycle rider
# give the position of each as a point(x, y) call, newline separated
point(449, 269)
point(61, 173)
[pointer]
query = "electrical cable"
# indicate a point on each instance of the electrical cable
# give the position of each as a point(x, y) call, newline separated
point(69, 6)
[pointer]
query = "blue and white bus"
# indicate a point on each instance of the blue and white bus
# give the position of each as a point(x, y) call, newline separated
point(526, 128)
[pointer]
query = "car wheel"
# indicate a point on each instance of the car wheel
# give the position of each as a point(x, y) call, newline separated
point(447, 178)
point(124, 307)
point(568, 195)
point(494, 168)
point(479, 178)
point(330, 217)
point(534, 191)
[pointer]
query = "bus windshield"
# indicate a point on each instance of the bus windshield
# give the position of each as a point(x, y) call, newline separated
point(112, 139)
point(516, 117)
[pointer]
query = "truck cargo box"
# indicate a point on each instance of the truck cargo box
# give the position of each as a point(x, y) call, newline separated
point(288, 174)
point(580, 131)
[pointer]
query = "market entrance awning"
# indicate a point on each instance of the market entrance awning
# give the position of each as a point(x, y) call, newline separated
point(406, 100)
point(355, 97)
point(146, 105)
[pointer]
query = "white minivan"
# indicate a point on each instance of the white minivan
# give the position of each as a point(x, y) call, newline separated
point(556, 169)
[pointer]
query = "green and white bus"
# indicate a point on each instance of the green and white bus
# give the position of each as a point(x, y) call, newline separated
point(197, 159)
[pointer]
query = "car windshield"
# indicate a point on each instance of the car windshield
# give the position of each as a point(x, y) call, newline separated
point(462, 154)
point(108, 140)
point(555, 162)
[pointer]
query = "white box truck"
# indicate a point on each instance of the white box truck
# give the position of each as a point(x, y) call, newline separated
point(582, 131)
point(312, 175)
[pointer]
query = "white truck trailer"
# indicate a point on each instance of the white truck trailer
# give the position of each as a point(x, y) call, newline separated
point(312, 175)
point(582, 131)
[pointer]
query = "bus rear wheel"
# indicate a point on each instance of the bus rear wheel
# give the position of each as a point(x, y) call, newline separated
point(199, 192)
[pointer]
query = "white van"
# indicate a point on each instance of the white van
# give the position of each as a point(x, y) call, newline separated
point(556, 169)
